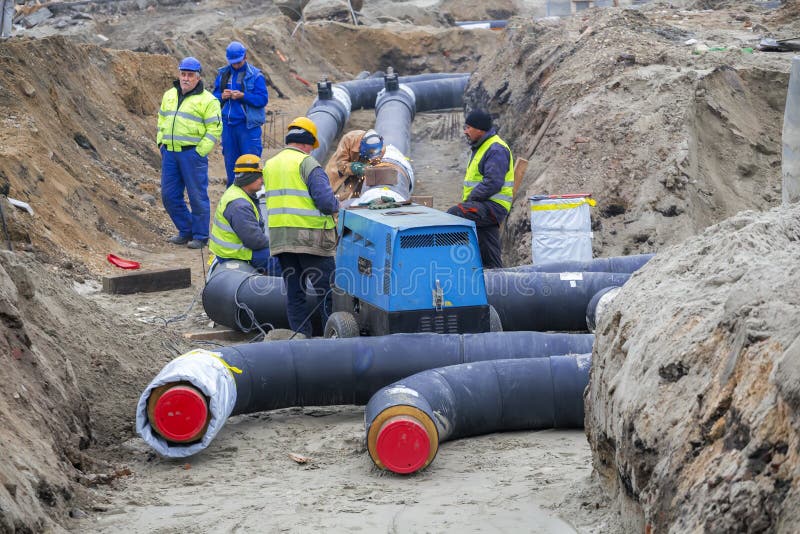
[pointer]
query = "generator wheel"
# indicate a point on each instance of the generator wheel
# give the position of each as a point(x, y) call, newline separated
point(341, 324)
point(495, 324)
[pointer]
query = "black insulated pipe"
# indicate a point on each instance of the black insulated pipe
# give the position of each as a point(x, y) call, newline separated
point(394, 111)
point(599, 304)
point(408, 420)
point(545, 301)
point(323, 372)
point(329, 112)
point(245, 300)
point(616, 264)
point(441, 94)
point(363, 92)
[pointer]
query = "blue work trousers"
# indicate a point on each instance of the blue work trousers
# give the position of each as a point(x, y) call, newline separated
point(238, 139)
point(186, 171)
point(296, 269)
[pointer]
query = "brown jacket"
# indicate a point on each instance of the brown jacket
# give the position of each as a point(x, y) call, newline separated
point(338, 167)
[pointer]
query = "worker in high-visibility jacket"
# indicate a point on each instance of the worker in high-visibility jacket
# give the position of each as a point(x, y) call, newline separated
point(488, 185)
point(300, 208)
point(237, 231)
point(189, 125)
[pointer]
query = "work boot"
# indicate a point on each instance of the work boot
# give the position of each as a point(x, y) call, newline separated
point(178, 240)
point(197, 243)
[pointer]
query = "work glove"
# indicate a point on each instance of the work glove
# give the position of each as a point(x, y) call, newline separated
point(358, 168)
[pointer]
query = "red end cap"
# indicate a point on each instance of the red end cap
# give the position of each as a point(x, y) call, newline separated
point(403, 445)
point(180, 414)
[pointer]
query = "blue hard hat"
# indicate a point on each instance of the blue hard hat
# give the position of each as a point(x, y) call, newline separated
point(235, 52)
point(190, 63)
point(371, 145)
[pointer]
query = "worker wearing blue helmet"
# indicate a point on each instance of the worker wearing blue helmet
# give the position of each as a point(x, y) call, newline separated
point(242, 91)
point(356, 150)
point(189, 124)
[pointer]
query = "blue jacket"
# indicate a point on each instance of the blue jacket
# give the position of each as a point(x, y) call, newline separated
point(493, 167)
point(252, 106)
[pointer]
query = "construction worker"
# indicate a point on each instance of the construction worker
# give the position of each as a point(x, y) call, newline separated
point(237, 232)
point(300, 205)
point(488, 185)
point(242, 91)
point(356, 150)
point(188, 126)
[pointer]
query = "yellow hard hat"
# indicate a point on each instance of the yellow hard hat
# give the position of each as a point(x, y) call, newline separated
point(247, 163)
point(306, 124)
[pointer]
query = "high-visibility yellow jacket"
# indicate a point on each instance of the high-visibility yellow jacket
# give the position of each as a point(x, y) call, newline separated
point(474, 176)
point(193, 119)
point(295, 223)
point(223, 241)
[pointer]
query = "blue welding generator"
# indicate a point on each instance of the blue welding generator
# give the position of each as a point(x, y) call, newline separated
point(408, 269)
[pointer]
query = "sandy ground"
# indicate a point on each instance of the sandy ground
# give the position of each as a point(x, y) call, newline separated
point(245, 481)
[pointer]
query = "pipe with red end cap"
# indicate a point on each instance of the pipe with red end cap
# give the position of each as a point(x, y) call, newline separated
point(407, 420)
point(178, 412)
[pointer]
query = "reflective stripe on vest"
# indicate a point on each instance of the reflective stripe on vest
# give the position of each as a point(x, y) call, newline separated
point(289, 203)
point(223, 241)
point(474, 176)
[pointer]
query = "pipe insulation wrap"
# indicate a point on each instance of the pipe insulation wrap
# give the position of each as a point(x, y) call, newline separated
point(323, 372)
point(473, 399)
point(440, 94)
point(616, 264)
point(545, 301)
point(208, 373)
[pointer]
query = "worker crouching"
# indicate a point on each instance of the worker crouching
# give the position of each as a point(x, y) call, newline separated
point(238, 230)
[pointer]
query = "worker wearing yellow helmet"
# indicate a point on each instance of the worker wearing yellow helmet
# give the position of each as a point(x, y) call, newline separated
point(238, 231)
point(300, 208)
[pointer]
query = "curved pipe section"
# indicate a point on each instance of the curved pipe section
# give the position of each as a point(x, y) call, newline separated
point(243, 299)
point(439, 94)
point(599, 304)
point(408, 420)
point(545, 301)
point(363, 92)
point(616, 264)
point(315, 372)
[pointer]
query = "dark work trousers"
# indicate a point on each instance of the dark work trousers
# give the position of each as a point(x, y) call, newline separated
point(488, 228)
point(296, 269)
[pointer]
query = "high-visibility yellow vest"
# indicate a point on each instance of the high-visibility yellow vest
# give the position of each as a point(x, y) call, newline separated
point(197, 121)
point(223, 241)
point(289, 203)
point(474, 176)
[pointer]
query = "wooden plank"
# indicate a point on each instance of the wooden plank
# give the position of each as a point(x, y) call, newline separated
point(543, 130)
point(520, 166)
point(425, 200)
point(148, 281)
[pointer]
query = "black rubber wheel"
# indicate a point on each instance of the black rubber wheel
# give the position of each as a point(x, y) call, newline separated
point(341, 324)
point(495, 324)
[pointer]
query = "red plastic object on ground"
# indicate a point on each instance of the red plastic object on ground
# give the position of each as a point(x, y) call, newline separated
point(403, 445)
point(122, 263)
point(180, 414)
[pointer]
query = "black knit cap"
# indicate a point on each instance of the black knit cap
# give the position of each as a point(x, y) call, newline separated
point(479, 119)
point(298, 135)
point(245, 178)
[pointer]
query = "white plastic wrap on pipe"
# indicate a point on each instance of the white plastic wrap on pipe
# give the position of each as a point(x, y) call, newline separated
point(790, 160)
point(206, 371)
